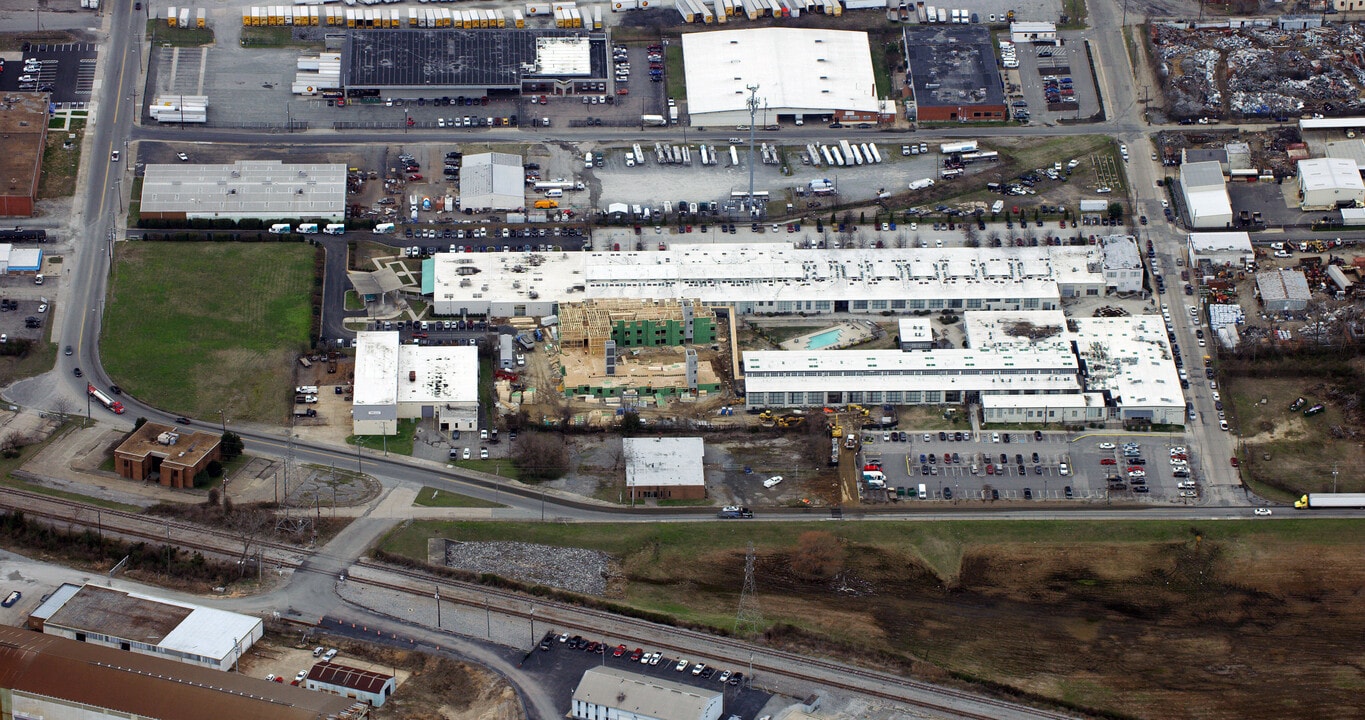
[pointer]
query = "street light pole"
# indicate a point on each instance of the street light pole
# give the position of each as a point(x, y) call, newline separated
point(438, 607)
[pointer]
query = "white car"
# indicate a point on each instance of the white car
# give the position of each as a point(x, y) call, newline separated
point(1213, 384)
point(1063, 470)
point(1223, 425)
point(1188, 494)
point(696, 669)
point(1178, 450)
point(772, 481)
point(113, 156)
point(42, 308)
point(300, 676)
point(1216, 396)
point(182, 157)
point(327, 656)
point(682, 665)
point(1106, 446)
point(654, 659)
point(483, 453)
point(465, 454)
point(1262, 511)
point(1281, 254)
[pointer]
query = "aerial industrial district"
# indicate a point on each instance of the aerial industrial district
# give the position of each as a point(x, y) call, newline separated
point(682, 359)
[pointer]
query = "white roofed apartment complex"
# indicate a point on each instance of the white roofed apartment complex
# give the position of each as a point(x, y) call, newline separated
point(1205, 195)
point(246, 189)
point(492, 181)
point(1330, 183)
point(395, 381)
point(770, 279)
point(1027, 367)
point(147, 625)
point(800, 73)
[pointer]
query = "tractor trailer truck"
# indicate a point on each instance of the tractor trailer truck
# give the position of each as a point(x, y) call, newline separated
point(1331, 500)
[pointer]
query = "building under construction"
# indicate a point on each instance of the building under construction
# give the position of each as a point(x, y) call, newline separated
point(635, 323)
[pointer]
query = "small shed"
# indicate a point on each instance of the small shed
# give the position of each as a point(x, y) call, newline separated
point(1283, 291)
point(372, 687)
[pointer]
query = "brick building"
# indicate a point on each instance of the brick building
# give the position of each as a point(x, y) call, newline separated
point(23, 123)
point(167, 454)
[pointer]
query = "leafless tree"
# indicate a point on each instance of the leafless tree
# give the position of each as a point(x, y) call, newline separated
point(247, 526)
point(63, 406)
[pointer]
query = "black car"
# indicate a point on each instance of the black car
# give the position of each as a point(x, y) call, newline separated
point(1028, 493)
point(1038, 435)
point(1035, 457)
point(1005, 437)
point(995, 494)
point(77, 372)
point(1023, 470)
point(957, 436)
point(183, 421)
point(923, 469)
point(1136, 461)
point(115, 389)
point(1067, 490)
point(1004, 458)
point(947, 493)
point(942, 436)
point(1019, 458)
point(1140, 489)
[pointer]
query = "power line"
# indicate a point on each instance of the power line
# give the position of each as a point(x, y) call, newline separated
point(749, 618)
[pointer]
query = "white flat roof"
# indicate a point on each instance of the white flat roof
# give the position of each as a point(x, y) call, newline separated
point(916, 329)
point(724, 273)
point(376, 368)
point(1211, 242)
point(1330, 174)
point(563, 56)
point(663, 461)
point(1201, 175)
point(492, 180)
point(1050, 368)
point(207, 632)
point(794, 69)
point(443, 374)
point(1057, 402)
point(1136, 366)
point(1028, 26)
point(1210, 202)
point(265, 188)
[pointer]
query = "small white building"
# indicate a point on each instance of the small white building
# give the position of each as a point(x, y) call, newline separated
point(147, 625)
point(1033, 32)
point(1206, 195)
point(492, 181)
point(367, 685)
point(1122, 264)
point(664, 468)
point(395, 381)
point(1283, 291)
point(916, 333)
point(607, 693)
point(1220, 248)
point(1330, 183)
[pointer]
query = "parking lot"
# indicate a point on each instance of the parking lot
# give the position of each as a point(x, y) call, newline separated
point(67, 70)
point(562, 659)
point(991, 465)
point(1038, 63)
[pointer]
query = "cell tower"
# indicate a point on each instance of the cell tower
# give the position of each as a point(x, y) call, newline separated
point(749, 619)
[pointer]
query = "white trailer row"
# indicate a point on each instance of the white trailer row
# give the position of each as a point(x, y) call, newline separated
point(316, 74)
point(845, 153)
point(179, 108)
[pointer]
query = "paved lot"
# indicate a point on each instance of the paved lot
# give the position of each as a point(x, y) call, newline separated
point(1068, 60)
point(1042, 477)
point(68, 71)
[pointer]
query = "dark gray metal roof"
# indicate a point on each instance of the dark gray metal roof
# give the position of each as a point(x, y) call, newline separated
point(451, 57)
point(953, 65)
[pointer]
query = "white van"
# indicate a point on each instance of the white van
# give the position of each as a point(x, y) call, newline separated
point(554, 193)
point(587, 157)
point(279, 229)
point(383, 228)
point(923, 492)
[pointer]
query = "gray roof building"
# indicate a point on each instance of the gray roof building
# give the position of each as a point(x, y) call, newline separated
point(492, 181)
point(472, 62)
point(953, 72)
point(611, 693)
point(1283, 290)
point(246, 189)
point(1122, 263)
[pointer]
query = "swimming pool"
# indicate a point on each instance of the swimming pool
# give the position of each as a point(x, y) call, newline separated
point(824, 339)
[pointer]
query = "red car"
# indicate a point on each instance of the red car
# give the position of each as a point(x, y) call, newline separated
point(1136, 468)
point(635, 656)
point(619, 651)
point(414, 177)
point(990, 469)
point(1108, 461)
point(947, 458)
point(1235, 462)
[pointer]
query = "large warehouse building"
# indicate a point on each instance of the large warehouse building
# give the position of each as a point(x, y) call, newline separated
point(144, 625)
point(45, 676)
point(952, 74)
point(245, 190)
point(444, 63)
point(395, 382)
point(23, 122)
point(1206, 195)
point(607, 693)
point(492, 181)
point(769, 278)
point(805, 74)
point(1330, 183)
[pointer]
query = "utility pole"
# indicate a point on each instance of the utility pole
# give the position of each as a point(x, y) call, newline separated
point(438, 607)
point(753, 113)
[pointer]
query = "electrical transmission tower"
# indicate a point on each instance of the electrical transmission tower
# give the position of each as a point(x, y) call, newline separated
point(749, 619)
point(753, 104)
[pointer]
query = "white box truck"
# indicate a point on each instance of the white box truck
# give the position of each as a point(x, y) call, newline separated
point(307, 228)
point(279, 229)
point(334, 229)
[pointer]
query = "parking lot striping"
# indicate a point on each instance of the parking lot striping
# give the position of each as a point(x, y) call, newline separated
point(203, 66)
point(85, 76)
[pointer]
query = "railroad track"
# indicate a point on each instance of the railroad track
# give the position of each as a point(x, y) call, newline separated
point(777, 662)
point(774, 661)
point(72, 512)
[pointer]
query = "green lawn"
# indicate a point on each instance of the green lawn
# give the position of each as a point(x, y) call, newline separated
point(159, 34)
point(398, 444)
point(353, 301)
point(279, 36)
point(435, 497)
point(675, 79)
point(195, 328)
point(501, 467)
point(60, 164)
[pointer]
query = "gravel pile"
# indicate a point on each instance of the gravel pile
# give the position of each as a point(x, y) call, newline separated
point(574, 569)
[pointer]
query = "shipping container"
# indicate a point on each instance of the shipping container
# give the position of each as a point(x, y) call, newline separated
point(540, 8)
point(596, 17)
point(518, 20)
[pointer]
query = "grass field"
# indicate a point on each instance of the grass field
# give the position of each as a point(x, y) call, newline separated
point(61, 164)
point(9, 465)
point(198, 327)
point(160, 35)
point(42, 354)
point(1134, 619)
point(399, 443)
point(278, 37)
point(675, 79)
point(434, 497)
